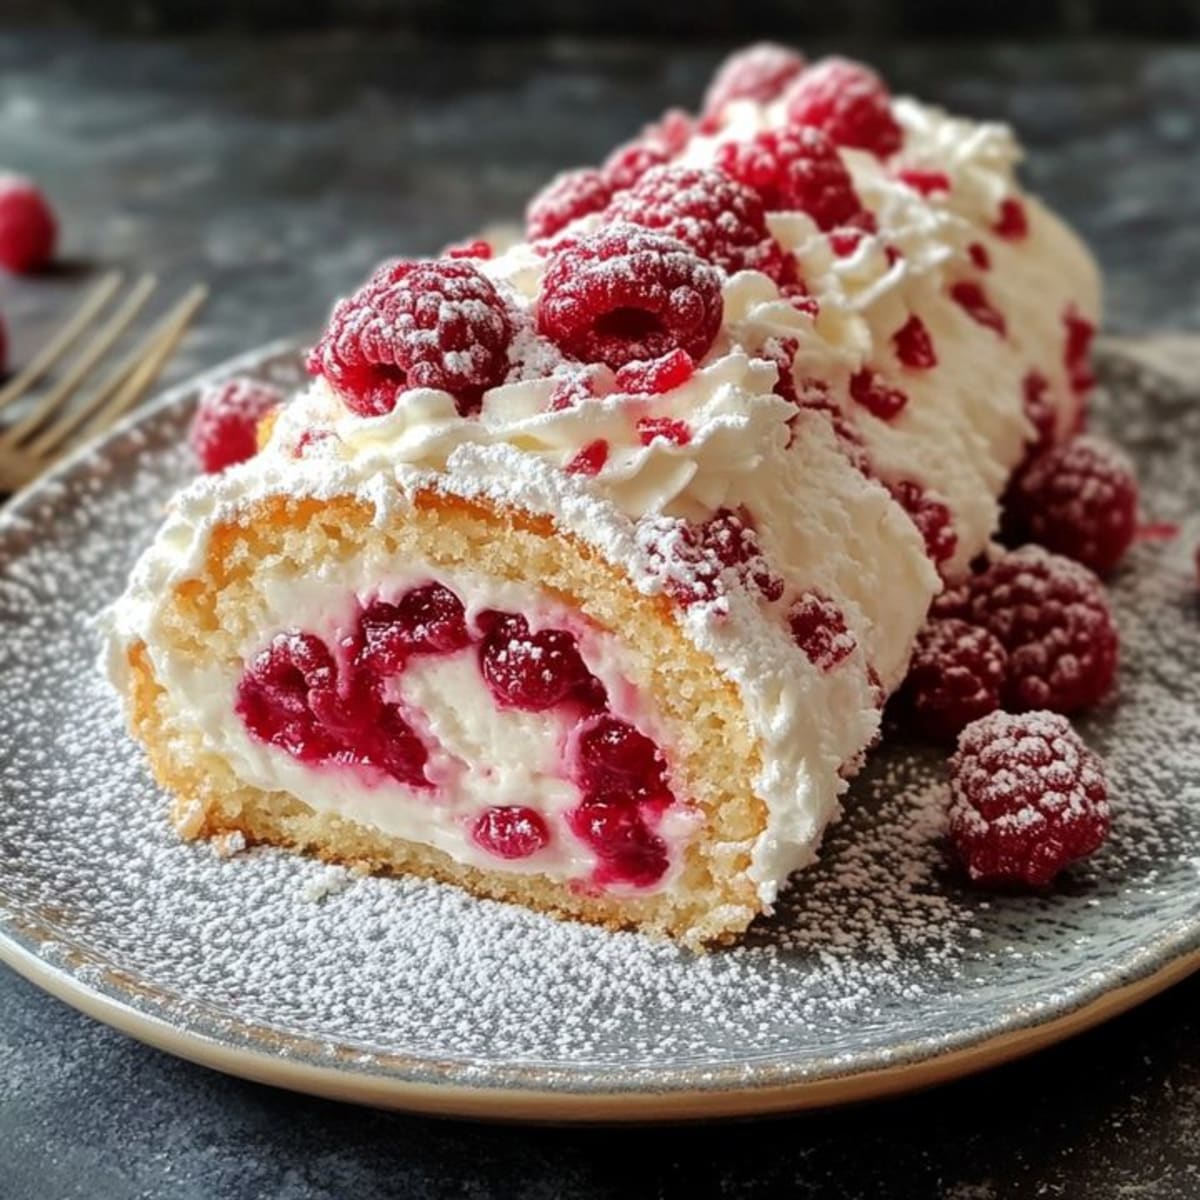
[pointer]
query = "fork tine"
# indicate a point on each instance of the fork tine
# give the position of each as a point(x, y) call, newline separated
point(62, 340)
point(128, 380)
point(92, 353)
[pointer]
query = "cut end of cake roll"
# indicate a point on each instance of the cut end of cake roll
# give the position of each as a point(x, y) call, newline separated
point(580, 573)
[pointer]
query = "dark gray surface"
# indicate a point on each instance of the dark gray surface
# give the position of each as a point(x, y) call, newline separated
point(279, 173)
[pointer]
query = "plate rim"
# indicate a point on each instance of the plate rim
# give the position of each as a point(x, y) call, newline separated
point(426, 1083)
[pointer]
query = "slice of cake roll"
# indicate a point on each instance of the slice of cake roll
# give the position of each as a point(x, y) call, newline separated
point(579, 574)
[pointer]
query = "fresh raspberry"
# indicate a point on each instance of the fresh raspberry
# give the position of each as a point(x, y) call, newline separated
point(628, 851)
point(956, 676)
point(616, 761)
point(669, 429)
point(672, 131)
point(510, 831)
point(628, 163)
point(759, 72)
point(426, 620)
point(972, 299)
point(1027, 798)
point(980, 256)
point(590, 459)
point(566, 198)
point(431, 324)
point(692, 560)
point(530, 671)
point(1079, 499)
point(849, 102)
point(1077, 350)
point(657, 376)
point(930, 516)
point(818, 627)
point(479, 248)
point(28, 229)
point(877, 397)
point(1052, 617)
point(914, 346)
point(1012, 221)
point(225, 428)
point(283, 689)
point(722, 220)
point(625, 293)
point(925, 182)
point(795, 170)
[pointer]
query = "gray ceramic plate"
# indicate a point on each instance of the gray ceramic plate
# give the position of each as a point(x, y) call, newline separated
point(880, 972)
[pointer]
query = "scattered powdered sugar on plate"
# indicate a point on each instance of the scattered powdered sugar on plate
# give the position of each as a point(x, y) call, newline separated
point(879, 954)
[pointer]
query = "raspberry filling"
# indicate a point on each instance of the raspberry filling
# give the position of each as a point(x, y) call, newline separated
point(356, 700)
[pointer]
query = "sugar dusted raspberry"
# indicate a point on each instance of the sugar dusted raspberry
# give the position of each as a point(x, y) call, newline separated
point(1079, 499)
point(628, 163)
point(722, 220)
point(510, 831)
point(625, 293)
point(849, 102)
point(577, 384)
point(1052, 617)
point(877, 397)
point(28, 229)
point(530, 671)
point(566, 198)
point(628, 851)
point(672, 131)
point(928, 183)
point(479, 248)
point(657, 376)
point(819, 628)
point(281, 691)
point(980, 256)
point(426, 620)
point(956, 676)
point(972, 299)
point(795, 170)
point(1012, 221)
point(669, 429)
point(930, 516)
point(589, 459)
point(760, 72)
point(1077, 350)
point(914, 345)
point(615, 760)
point(438, 324)
point(224, 430)
point(1028, 798)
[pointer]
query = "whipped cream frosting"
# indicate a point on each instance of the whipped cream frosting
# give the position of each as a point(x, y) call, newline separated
point(822, 524)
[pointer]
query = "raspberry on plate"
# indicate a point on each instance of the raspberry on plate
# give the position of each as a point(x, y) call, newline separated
point(566, 198)
point(849, 102)
point(626, 293)
point(758, 72)
point(1052, 617)
point(1079, 499)
point(28, 229)
point(722, 220)
point(425, 324)
point(224, 429)
point(796, 170)
point(1028, 798)
point(956, 676)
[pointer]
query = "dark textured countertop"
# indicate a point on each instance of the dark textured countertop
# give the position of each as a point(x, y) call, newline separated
point(279, 172)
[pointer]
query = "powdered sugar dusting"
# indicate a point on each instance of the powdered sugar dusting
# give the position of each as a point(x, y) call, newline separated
point(880, 952)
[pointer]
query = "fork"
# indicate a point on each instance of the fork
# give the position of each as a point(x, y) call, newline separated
point(54, 425)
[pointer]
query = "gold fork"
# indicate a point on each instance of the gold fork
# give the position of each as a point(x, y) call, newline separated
point(54, 425)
